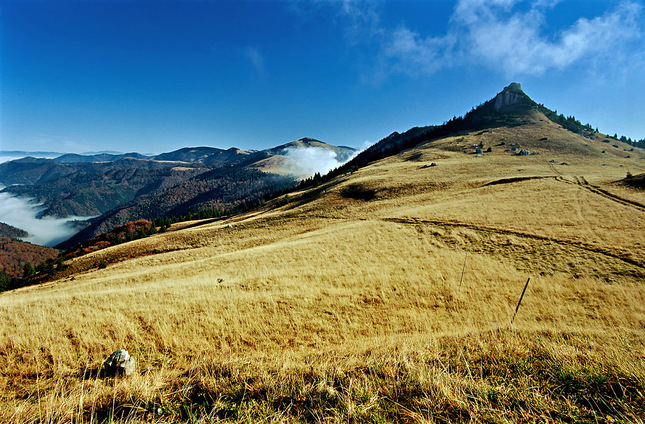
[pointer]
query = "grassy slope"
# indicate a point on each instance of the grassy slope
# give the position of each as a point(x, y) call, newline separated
point(332, 308)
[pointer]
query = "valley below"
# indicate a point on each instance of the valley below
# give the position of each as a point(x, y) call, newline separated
point(386, 292)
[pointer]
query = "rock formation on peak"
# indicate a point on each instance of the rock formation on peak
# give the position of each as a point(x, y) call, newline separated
point(510, 96)
point(514, 87)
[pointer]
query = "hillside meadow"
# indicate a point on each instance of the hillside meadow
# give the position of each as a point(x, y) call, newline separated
point(384, 295)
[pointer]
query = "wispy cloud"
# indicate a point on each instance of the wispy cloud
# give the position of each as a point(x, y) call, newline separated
point(406, 51)
point(256, 59)
point(516, 43)
point(359, 19)
point(508, 36)
point(363, 17)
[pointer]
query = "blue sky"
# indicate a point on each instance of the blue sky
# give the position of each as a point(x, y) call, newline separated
point(154, 76)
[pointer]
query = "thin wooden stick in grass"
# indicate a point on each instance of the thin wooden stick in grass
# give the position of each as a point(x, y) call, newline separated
point(521, 297)
point(463, 270)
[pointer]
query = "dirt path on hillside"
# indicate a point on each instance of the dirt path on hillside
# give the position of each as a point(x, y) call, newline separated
point(615, 254)
point(581, 181)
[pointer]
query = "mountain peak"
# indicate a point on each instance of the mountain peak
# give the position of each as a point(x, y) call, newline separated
point(309, 140)
point(514, 87)
point(511, 97)
point(304, 142)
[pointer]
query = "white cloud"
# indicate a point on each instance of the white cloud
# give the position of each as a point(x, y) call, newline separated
point(514, 42)
point(305, 162)
point(508, 36)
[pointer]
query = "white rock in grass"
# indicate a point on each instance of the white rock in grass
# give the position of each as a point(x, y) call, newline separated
point(119, 364)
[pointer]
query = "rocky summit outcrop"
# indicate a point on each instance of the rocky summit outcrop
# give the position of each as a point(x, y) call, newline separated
point(510, 96)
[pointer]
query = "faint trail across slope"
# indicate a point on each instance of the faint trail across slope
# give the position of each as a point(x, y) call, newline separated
point(582, 246)
point(579, 181)
point(604, 193)
point(582, 182)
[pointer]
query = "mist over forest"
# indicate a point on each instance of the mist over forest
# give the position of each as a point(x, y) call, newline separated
point(24, 214)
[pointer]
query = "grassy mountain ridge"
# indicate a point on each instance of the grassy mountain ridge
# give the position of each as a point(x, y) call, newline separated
point(510, 107)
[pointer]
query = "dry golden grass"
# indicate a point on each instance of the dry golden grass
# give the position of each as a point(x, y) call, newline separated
point(332, 308)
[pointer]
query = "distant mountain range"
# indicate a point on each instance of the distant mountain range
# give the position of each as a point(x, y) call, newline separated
point(99, 157)
point(22, 153)
point(125, 187)
point(37, 154)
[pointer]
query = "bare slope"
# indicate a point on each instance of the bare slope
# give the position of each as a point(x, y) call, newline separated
point(383, 295)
